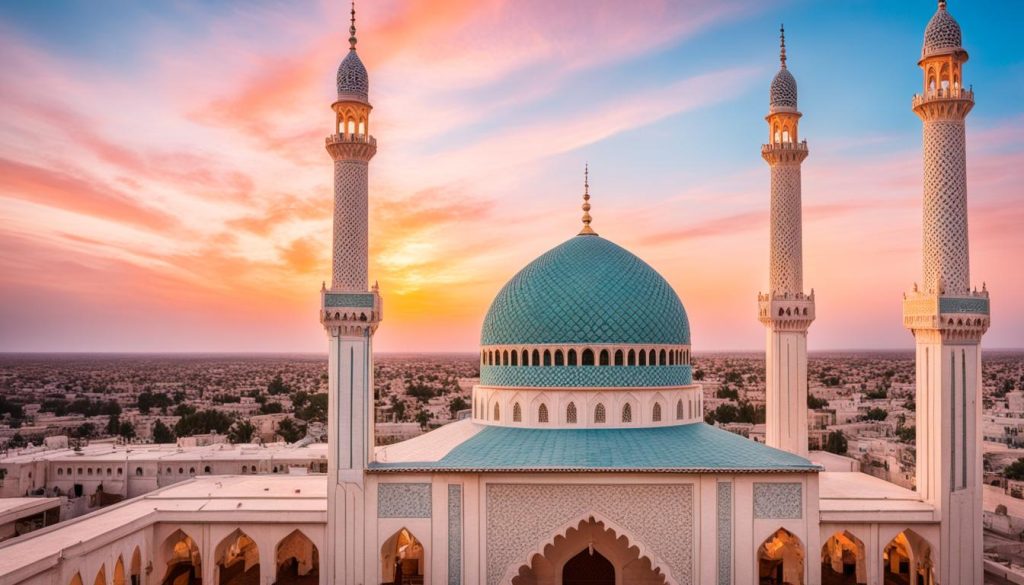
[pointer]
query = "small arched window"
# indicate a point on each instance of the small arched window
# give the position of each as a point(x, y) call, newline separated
point(245, 469)
point(536, 358)
point(559, 358)
point(206, 469)
point(181, 470)
point(191, 470)
point(599, 414)
point(526, 358)
point(120, 471)
point(656, 412)
point(604, 357)
point(515, 358)
point(547, 357)
point(517, 413)
point(643, 358)
point(627, 413)
point(169, 470)
point(652, 358)
point(60, 471)
point(588, 357)
point(661, 358)
point(672, 358)
point(631, 358)
point(618, 357)
point(504, 358)
point(679, 410)
point(497, 412)
point(138, 471)
point(572, 357)
point(542, 413)
point(570, 413)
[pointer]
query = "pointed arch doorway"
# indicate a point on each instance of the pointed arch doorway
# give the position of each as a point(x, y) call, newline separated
point(589, 567)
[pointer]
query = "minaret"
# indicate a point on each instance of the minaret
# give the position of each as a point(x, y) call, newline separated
point(946, 317)
point(350, 313)
point(785, 310)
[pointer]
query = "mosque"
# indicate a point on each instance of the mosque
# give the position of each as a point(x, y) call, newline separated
point(586, 458)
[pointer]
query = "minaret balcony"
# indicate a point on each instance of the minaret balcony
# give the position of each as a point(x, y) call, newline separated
point(962, 317)
point(943, 104)
point(949, 93)
point(350, 138)
point(351, 312)
point(777, 152)
point(791, 312)
point(351, 146)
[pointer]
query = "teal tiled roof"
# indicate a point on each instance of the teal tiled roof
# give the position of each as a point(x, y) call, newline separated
point(586, 376)
point(692, 448)
point(586, 290)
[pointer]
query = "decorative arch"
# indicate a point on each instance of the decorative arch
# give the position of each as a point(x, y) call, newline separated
point(604, 358)
point(570, 413)
point(517, 573)
point(627, 413)
point(542, 413)
point(296, 559)
point(656, 412)
point(183, 559)
point(402, 551)
point(76, 579)
point(843, 561)
point(101, 576)
point(571, 358)
point(119, 576)
point(517, 413)
point(237, 559)
point(679, 410)
point(135, 568)
point(908, 557)
point(497, 412)
point(600, 414)
point(780, 559)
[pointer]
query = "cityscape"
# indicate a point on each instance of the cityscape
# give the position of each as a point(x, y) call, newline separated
point(574, 293)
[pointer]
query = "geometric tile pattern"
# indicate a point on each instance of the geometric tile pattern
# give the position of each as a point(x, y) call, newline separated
point(353, 80)
point(691, 448)
point(585, 376)
point(403, 500)
point(724, 533)
point(942, 33)
point(970, 305)
point(946, 264)
point(356, 301)
point(520, 517)
point(786, 255)
point(586, 290)
point(454, 534)
point(782, 92)
point(351, 191)
point(778, 501)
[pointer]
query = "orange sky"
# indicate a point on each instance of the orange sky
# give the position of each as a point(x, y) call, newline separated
point(164, 187)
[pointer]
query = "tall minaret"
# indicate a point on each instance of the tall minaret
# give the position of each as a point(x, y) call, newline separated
point(945, 316)
point(785, 310)
point(350, 313)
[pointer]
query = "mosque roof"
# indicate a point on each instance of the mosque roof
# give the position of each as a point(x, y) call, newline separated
point(467, 446)
point(586, 290)
point(942, 35)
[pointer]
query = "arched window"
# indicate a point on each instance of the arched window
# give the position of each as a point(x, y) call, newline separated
point(618, 357)
point(604, 357)
point(652, 358)
point(542, 413)
point(643, 358)
point(679, 409)
point(517, 413)
point(599, 413)
point(570, 413)
point(192, 470)
point(497, 412)
point(515, 358)
point(661, 358)
point(785, 135)
point(138, 471)
point(206, 469)
point(362, 127)
point(572, 357)
point(627, 413)
point(631, 358)
point(559, 358)
point(656, 412)
point(672, 358)
point(526, 358)
point(351, 127)
point(245, 469)
point(547, 357)
point(588, 357)
point(120, 471)
point(60, 471)
point(504, 358)
point(536, 358)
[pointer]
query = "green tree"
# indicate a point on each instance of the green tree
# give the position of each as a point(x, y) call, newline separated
point(271, 408)
point(815, 403)
point(1015, 470)
point(698, 375)
point(113, 425)
point(162, 433)
point(877, 414)
point(836, 443)
point(315, 409)
point(17, 441)
point(242, 431)
point(277, 386)
point(84, 431)
point(206, 421)
point(907, 434)
point(126, 430)
point(458, 403)
point(423, 417)
point(398, 408)
point(289, 430)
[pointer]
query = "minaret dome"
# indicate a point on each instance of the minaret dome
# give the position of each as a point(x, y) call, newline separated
point(942, 35)
point(782, 93)
point(353, 81)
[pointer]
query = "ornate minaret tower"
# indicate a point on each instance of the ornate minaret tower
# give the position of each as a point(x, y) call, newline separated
point(945, 316)
point(785, 310)
point(350, 312)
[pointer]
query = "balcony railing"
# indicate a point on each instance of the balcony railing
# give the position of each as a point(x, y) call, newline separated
point(350, 138)
point(948, 93)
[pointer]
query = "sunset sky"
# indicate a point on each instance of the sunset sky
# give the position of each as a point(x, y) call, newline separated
point(164, 185)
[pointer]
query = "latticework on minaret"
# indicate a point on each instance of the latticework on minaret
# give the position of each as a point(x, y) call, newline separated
point(946, 316)
point(785, 310)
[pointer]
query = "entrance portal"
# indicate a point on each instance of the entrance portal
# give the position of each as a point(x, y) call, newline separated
point(588, 568)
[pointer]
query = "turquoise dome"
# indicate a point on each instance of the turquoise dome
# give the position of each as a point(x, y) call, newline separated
point(586, 290)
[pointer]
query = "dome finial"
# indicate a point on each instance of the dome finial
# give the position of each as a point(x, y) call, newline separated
point(782, 45)
point(942, 4)
point(352, 29)
point(587, 230)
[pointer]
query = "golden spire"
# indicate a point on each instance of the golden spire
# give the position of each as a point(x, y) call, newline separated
point(352, 29)
point(587, 230)
point(782, 45)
